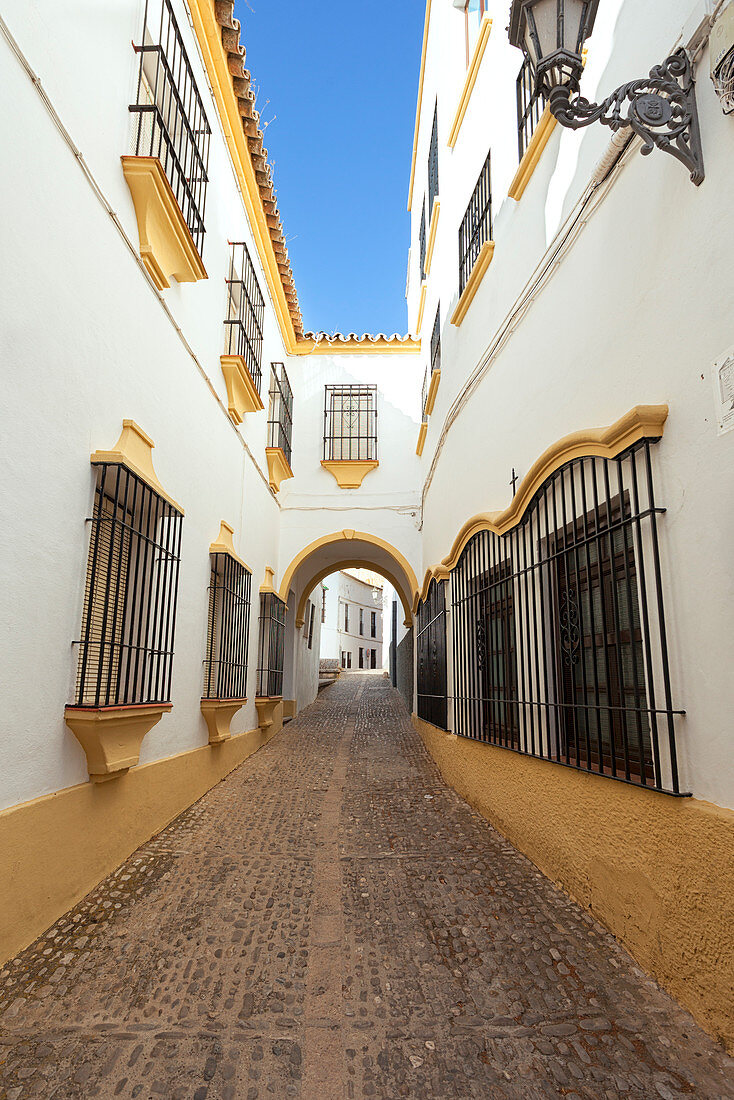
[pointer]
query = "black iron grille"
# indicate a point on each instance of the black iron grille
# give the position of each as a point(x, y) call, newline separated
point(423, 242)
point(530, 105)
point(170, 121)
point(129, 616)
point(271, 645)
point(280, 415)
point(560, 647)
point(476, 228)
point(350, 423)
point(436, 343)
point(424, 398)
point(431, 657)
point(245, 311)
point(225, 667)
point(433, 164)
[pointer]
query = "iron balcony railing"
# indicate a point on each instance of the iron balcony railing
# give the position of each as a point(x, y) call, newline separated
point(424, 397)
point(560, 646)
point(530, 106)
point(436, 343)
point(228, 629)
point(245, 312)
point(423, 241)
point(280, 415)
point(129, 615)
point(271, 645)
point(350, 423)
point(170, 121)
point(476, 228)
point(432, 682)
point(433, 164)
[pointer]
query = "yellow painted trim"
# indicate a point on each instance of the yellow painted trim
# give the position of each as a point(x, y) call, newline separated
point(433, 230)
point(349, 473)
point(421, 306)
point(278, 467)
point(268, 582)
point(224, 544)
point(379, 346)
point(656, 871)
point(422, 433)
point(533, 153)
point(347, 536)
point(484, 259)
point(111, 736)
point(433, 390)
point(134, 451)
point(209, 36)
point(471, 78)
point(424, 50)
point(270, 713)
point(242, 395)
point(352, 563)
point(641, 422)
point(55, 849)
point(167, 248)
point(218, 715)
point(290, 708)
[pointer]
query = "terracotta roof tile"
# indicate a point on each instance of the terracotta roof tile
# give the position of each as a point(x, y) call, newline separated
point(230, 27)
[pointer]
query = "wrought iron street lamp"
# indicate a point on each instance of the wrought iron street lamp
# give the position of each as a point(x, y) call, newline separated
point(660, 108)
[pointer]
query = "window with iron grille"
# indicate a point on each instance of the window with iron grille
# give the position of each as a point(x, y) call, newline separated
point(245, 310)
point(228, 629)
point(476, 228)
point(346, 617)
point(169, 116)
point(424, 397)
point(271, 645)
point(432, 684)
point(531, 102)
point(373, 624)
point(129, 616)
point(433, 164)
point(560, 646)
point(323, 605)
point(436, 343)
point(361, 620)
point(423, 241)
point(280, 414)
point(350, 423)
point(310, 625)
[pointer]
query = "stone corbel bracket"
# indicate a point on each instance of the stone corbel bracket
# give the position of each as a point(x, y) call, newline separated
point(279, 469)
point(242, 395)
point(349, 473)
point(218, 715)
point(270, 713)
point(167, 248)
point(111, 736)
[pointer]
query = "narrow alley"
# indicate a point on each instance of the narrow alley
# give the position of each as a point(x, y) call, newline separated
point(332, 921)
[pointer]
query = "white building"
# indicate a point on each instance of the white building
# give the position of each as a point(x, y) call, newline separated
point(351, 630)
point(554, 511)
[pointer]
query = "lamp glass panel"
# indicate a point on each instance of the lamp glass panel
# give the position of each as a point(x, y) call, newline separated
point(574, 16)
point(542, 17)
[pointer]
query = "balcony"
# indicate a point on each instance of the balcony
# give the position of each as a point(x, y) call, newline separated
point(350, 433)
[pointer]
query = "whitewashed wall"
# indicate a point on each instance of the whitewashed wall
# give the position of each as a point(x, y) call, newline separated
point(636, 313)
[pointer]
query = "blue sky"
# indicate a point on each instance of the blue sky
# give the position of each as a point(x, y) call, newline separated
point(341, 81)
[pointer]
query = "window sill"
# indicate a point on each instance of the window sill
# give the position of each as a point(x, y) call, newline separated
point(471, 78)
point(421, 308)
point(432, 231)
point(167, 248)
point(278, 467)
point(111, 736)
point(242, 395)
point(269, 712)
point(433, 390)
point(422, 433)
point(484, 259)
point(533, 153)
point(218, 715)
point(349, 473)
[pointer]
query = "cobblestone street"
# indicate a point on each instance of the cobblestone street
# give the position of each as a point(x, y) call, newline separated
point(332, 921)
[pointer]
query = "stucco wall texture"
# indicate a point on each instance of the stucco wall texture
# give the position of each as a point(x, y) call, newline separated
point(657, 871)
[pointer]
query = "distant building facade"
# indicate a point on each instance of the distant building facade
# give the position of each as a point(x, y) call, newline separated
point(351, 621)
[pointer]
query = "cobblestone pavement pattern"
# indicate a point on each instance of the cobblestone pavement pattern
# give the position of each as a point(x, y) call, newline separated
point(332, 921)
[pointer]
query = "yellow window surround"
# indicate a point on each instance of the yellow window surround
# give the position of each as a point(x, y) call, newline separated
point(433, 390)
point(242, 395)
point(279, 469)
point(421, 307)
point(484, 259)
point(349, 473)
point(432, 234)
point(424, 49)
point(422, 433)
point(471, 78)
point(533, 153)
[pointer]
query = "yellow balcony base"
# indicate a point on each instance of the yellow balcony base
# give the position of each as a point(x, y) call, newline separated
point(111, 736)
point(278, 467)
point(422, 433)
point(433, 385)
point(533, 153)
point(484, 259)
point(166, 246)
point(218, 715)
point(349, 473)
point(432, 231)
point(270, 713)
point(242, 395)
point(421, 308)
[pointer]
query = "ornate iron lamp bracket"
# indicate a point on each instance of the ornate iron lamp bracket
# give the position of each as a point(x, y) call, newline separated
point(660, 108)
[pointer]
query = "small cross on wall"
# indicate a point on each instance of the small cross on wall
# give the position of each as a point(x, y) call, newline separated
point(513, 481)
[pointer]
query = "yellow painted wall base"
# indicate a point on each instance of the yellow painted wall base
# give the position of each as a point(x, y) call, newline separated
point(55, 849)
point(657, 871)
